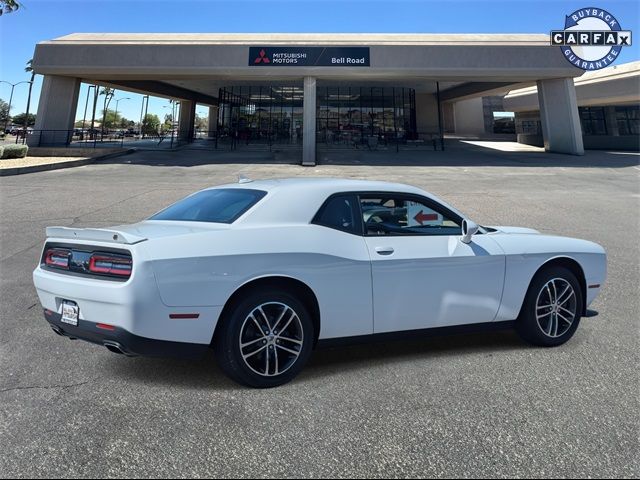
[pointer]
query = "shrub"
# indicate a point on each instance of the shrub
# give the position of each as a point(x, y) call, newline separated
point(14, 151)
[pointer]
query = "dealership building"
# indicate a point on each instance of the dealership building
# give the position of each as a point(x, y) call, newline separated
point(608, 107)
point(311, 89)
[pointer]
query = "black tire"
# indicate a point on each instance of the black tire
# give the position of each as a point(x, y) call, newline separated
point(539, 332)
point(228, 338)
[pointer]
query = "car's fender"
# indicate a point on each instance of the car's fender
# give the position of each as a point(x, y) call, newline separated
point(526, 254)
point(205, 269)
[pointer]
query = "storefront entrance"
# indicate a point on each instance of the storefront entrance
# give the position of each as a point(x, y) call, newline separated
point(261, 114)
point(347, 116)
point(352, 115)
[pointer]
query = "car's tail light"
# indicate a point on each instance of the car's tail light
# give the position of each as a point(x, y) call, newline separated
point(106, 264)
point(57, 258)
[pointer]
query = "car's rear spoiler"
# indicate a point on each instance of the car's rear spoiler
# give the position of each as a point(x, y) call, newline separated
point(95, 234)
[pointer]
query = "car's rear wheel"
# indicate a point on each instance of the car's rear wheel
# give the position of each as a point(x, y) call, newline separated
point(552, 308)
point(265, 340)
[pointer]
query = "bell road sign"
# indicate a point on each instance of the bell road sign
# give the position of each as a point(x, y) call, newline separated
point(309, 56)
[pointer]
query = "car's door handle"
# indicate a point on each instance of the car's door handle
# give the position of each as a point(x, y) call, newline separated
point(384, 250)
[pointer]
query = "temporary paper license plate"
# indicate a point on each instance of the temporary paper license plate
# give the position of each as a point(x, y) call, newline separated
point(70, 313)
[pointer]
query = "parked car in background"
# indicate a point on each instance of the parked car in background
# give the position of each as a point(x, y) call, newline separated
point(21, 133)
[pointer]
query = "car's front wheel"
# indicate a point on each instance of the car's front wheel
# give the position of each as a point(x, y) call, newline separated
point(265, 340)
point(552, 308)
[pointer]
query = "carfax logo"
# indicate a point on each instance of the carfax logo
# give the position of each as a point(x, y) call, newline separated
point(592, 38)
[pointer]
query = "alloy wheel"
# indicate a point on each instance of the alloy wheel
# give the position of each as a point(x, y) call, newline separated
point(556, 307)
point(271, 339)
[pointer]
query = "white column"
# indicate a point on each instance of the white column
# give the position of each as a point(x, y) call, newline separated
point(561, 129)
point(309, 122)
point(56, 111)
point(187, 120)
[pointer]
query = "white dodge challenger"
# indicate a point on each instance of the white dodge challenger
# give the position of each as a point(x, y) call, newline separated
point(262, 271)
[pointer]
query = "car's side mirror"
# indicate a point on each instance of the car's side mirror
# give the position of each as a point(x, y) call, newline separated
point(469, 229)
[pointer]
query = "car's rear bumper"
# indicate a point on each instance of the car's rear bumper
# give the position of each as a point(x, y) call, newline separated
point(119, 340)
point(133, 306)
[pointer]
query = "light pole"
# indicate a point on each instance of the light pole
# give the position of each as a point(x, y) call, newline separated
point(201, 115)
point(145, 99)
point(13, 85)
point(116, 118)
point(86, 104)
point(175, 103)
point(124, 98)
point(172, 106)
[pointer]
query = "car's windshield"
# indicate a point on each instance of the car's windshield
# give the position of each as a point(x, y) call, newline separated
point(220, 205)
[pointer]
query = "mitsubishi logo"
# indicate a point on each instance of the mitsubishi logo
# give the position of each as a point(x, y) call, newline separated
point(262, 58)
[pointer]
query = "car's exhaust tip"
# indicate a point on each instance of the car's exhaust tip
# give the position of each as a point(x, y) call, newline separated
point(115, 347)
point(57, 330)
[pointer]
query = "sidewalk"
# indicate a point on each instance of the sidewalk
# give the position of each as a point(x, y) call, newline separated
point(30, 164)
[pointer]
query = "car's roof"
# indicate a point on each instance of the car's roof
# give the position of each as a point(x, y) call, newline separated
point(326, 185)
point(297, 200)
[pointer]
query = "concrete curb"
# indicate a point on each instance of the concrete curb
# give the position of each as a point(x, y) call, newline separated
point(5, 172)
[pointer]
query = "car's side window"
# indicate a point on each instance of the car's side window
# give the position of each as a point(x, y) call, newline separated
point(340, 212)
point(394, 214)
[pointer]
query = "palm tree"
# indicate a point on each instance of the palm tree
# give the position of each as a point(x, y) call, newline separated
point(108, 95)
point(29, 69)
point(8, 6)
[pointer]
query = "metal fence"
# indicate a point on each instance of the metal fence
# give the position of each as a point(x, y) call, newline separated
point(387, 141)
point(230, 141)
point(97, 139)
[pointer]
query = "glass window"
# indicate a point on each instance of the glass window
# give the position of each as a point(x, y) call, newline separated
point(399, 215)
point(531, 127)
point(628, 119)
point(346, 115)
point(592, 120)
point(220, 205)
point(340, 213)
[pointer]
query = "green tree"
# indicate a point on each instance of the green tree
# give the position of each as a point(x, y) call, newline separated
point(111, 120)
point(4, 112)
point(150, 124)
point(201, 123)
point(8, 6)
point(21, 119)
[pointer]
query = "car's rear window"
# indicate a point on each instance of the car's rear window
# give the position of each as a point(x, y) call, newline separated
point(220, 205)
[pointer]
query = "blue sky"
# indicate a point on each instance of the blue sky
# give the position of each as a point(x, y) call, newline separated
point(45, 19)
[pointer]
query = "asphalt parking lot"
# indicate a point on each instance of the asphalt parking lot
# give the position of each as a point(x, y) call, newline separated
point(463, 406)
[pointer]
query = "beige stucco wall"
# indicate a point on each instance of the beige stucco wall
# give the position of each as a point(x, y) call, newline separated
point(152, 56)
point(469, 117)
point(426, 113)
